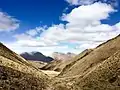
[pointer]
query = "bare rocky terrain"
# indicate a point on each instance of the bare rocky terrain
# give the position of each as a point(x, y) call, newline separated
point(93, 69)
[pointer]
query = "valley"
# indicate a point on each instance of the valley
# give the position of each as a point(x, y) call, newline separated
point(92, 69)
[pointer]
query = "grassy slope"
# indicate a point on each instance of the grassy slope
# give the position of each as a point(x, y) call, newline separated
point(99, 70)
point(97, 56)
point(14, 69)
point(75, 60)
point(11, 79)
point(53, 65)
point(37, 64)
point(105, 76)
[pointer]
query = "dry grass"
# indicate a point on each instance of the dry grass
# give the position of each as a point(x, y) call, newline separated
point(75, 60)
point(18, 74)
point(53, 65)
point(99, 70)
point(11, 79)
point(106, 76)
point(97, 56)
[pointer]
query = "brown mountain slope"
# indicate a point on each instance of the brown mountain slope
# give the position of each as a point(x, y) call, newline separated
point(98, 70)
point(7, 53)
point(104, 76)
point(60, 62)
point(18, 74)
point(75, 60)
point(37, 64)
point(98, 55)
point(53, 65)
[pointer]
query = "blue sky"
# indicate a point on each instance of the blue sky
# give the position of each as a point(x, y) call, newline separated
point(57, 25)
point(34, 13)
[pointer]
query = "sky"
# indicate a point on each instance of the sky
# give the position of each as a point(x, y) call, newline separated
point(63, 26)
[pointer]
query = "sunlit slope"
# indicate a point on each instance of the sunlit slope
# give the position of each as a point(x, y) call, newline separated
point(18, 74)
point(97, 70)
point(105, 76)
point(90, 61)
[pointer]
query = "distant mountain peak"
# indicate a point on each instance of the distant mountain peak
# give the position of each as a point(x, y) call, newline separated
point(36, 56)
point(62, 56)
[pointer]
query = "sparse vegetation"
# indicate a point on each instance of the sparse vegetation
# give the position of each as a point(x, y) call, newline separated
point(11, 79)
point(18, 74)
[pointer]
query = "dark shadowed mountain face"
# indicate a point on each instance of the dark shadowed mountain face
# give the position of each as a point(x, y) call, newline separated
point(36, 56)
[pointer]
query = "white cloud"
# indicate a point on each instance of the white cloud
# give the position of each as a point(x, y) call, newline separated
point(52, 34)
point(89, 13)
point(84, 28)
point(8, 23)
point(28, 41)
point(84, 25)
point(118, 25)
point(32, 32)
point(80, 2)
point(88, 2)
point(37, 30)
point(45, 50)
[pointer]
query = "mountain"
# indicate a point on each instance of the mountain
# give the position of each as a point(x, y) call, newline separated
point(18, 74)
point(97, 70)
point(75, 60)
point(98, 55)
point(62, 56)
point(36, 56)
point(59, 62)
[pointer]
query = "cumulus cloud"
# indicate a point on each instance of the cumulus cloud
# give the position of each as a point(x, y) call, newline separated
point(84, 29)
point(28, 41)
point(89, 13)
point(8, 23)
point(82, 26)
